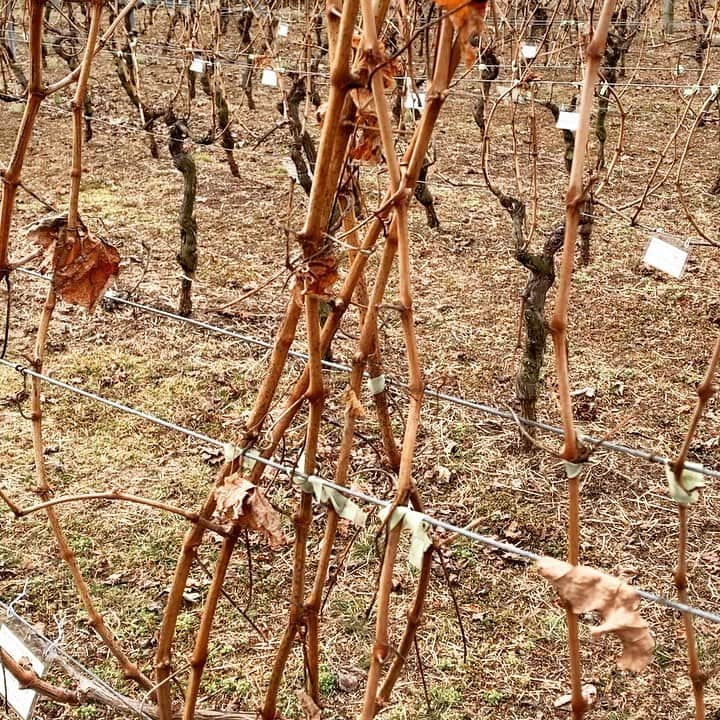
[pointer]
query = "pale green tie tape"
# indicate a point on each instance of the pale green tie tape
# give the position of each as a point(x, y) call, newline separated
point(413, 521)
point(572, 470)
point(686, 491)
point(342, 505)
point(232, 452)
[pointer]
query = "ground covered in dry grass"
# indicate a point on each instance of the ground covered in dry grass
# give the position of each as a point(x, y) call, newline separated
point(639, 344)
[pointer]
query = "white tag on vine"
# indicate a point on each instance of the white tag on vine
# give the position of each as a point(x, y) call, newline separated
point(666, 256)
point(269, 77)
point(290, 169)
point(283, 29)
point(568, 121)
point(510, 93)
point(415, 101)
point(233, 452)
point(529, 50)
point(691, 481)
point(197, 65)
point(376, 384)
point(21, 701)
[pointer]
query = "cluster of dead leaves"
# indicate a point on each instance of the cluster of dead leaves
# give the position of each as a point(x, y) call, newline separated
point(367, 146)
point(82, 267)
point(586, 589)
point(468, 19)
point(241, 502)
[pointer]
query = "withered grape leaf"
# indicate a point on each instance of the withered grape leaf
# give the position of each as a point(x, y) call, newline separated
point(240, 501)
point(468, 19)
point(587, 589)
point(82, 267)
point(310, 709)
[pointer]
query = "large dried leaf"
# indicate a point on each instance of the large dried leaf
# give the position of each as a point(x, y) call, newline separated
point(82, 267)
point(469, 21)
point(586, 589)
point(367, 146)
point(389, 68)
point(240, 501)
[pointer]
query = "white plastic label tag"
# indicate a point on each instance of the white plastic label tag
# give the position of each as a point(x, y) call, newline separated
point(528, 50)
point(568, 121)
point(376, 384)
point(290, 169)
point(283, 30)
point(665, 256)
point(508, 93)
point(21, 701)
point(197, 65)
point(415, 101)
point(269, 77)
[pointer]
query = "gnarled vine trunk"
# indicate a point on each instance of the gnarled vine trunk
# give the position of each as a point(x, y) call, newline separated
point(187, 256)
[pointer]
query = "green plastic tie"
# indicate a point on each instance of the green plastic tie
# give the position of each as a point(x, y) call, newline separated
point(572, 470)
point(343, 506)
point(685, 492)
point(415, 522)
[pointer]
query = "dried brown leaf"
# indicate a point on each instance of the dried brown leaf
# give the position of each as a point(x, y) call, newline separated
point(468, 19)
point(587, 589)
point(368, 145)
point(311, 710)
point(389, 68)
point(82, 267)
point(240, 501)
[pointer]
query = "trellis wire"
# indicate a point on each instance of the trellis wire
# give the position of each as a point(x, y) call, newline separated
point(430, 392)
point(468, 80)
point(347, 491)
point(226, 60)
point(52, 647)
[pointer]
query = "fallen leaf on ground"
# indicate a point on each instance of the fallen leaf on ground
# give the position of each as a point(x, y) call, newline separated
point(82, 267)
point(240, 501)
point(589, 693)
point(349, 680)
point(587, 589)
point(311, 710)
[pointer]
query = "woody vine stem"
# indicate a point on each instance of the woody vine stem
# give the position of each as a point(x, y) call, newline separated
point(572, 451)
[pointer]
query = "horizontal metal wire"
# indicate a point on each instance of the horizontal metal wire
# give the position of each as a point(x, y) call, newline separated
point(53, 647)
point(639, 453)
point(349, 492)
